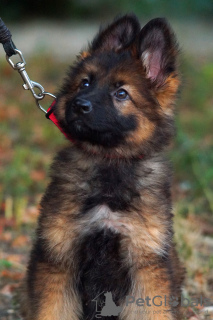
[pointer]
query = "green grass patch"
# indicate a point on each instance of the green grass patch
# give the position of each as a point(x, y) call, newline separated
point(4, 264)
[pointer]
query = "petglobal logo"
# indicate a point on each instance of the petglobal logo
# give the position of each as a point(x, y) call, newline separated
point(165, 301)
point(106, 307)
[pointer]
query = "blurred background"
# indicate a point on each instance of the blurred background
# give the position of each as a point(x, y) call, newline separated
point(50, 35)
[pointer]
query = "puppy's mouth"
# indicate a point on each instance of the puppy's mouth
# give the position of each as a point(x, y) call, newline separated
point(78, 124)
point(98, 129)
point(84, 125)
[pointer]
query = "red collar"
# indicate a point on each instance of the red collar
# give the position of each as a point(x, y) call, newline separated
point(50, 115)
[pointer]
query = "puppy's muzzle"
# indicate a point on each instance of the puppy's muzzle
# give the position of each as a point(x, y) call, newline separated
point(82, 106)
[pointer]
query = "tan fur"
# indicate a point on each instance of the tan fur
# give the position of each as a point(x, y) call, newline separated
point(84, 54)
point(58, 299)
point(166, 95)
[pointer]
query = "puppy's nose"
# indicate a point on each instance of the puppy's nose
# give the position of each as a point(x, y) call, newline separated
point(82, 105)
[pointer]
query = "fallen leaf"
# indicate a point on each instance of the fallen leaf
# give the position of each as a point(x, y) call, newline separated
point(199, 277)
point(37, 175)
point(8, 289)
point(12, 275)
point(190, 314)
point(5, 222)
point(20, 241)
point(5, 236)
point(14, 258)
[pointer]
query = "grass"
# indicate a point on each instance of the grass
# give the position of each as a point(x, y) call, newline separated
point(28, 142)
point(192, 154)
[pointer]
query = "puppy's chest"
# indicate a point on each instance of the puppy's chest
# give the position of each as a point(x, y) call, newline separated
point(115, 187)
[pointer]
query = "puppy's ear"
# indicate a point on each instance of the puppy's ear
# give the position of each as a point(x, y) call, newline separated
point(118, 35)
point(158, 50)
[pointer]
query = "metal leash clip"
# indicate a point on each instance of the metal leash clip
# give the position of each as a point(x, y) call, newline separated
point(29, 84)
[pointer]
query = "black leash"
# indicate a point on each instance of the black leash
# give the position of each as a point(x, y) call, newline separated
point(6, 39)
point(10, 49)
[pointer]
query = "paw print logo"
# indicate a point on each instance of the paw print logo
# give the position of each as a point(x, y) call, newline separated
point(173, 301)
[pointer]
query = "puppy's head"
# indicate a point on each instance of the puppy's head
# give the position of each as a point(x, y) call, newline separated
point(118, 98)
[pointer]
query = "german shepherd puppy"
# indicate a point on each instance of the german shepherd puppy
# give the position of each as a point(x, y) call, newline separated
point(105, 228)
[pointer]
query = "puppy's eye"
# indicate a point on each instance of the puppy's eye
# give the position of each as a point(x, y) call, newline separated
point(84, 83)
point(121, 94)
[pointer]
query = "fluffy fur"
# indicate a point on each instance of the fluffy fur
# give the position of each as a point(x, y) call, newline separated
point(106, 222)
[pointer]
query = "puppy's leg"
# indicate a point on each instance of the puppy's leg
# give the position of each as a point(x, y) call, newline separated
point(152, 285)
point(157, 287)
point(51, 294)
